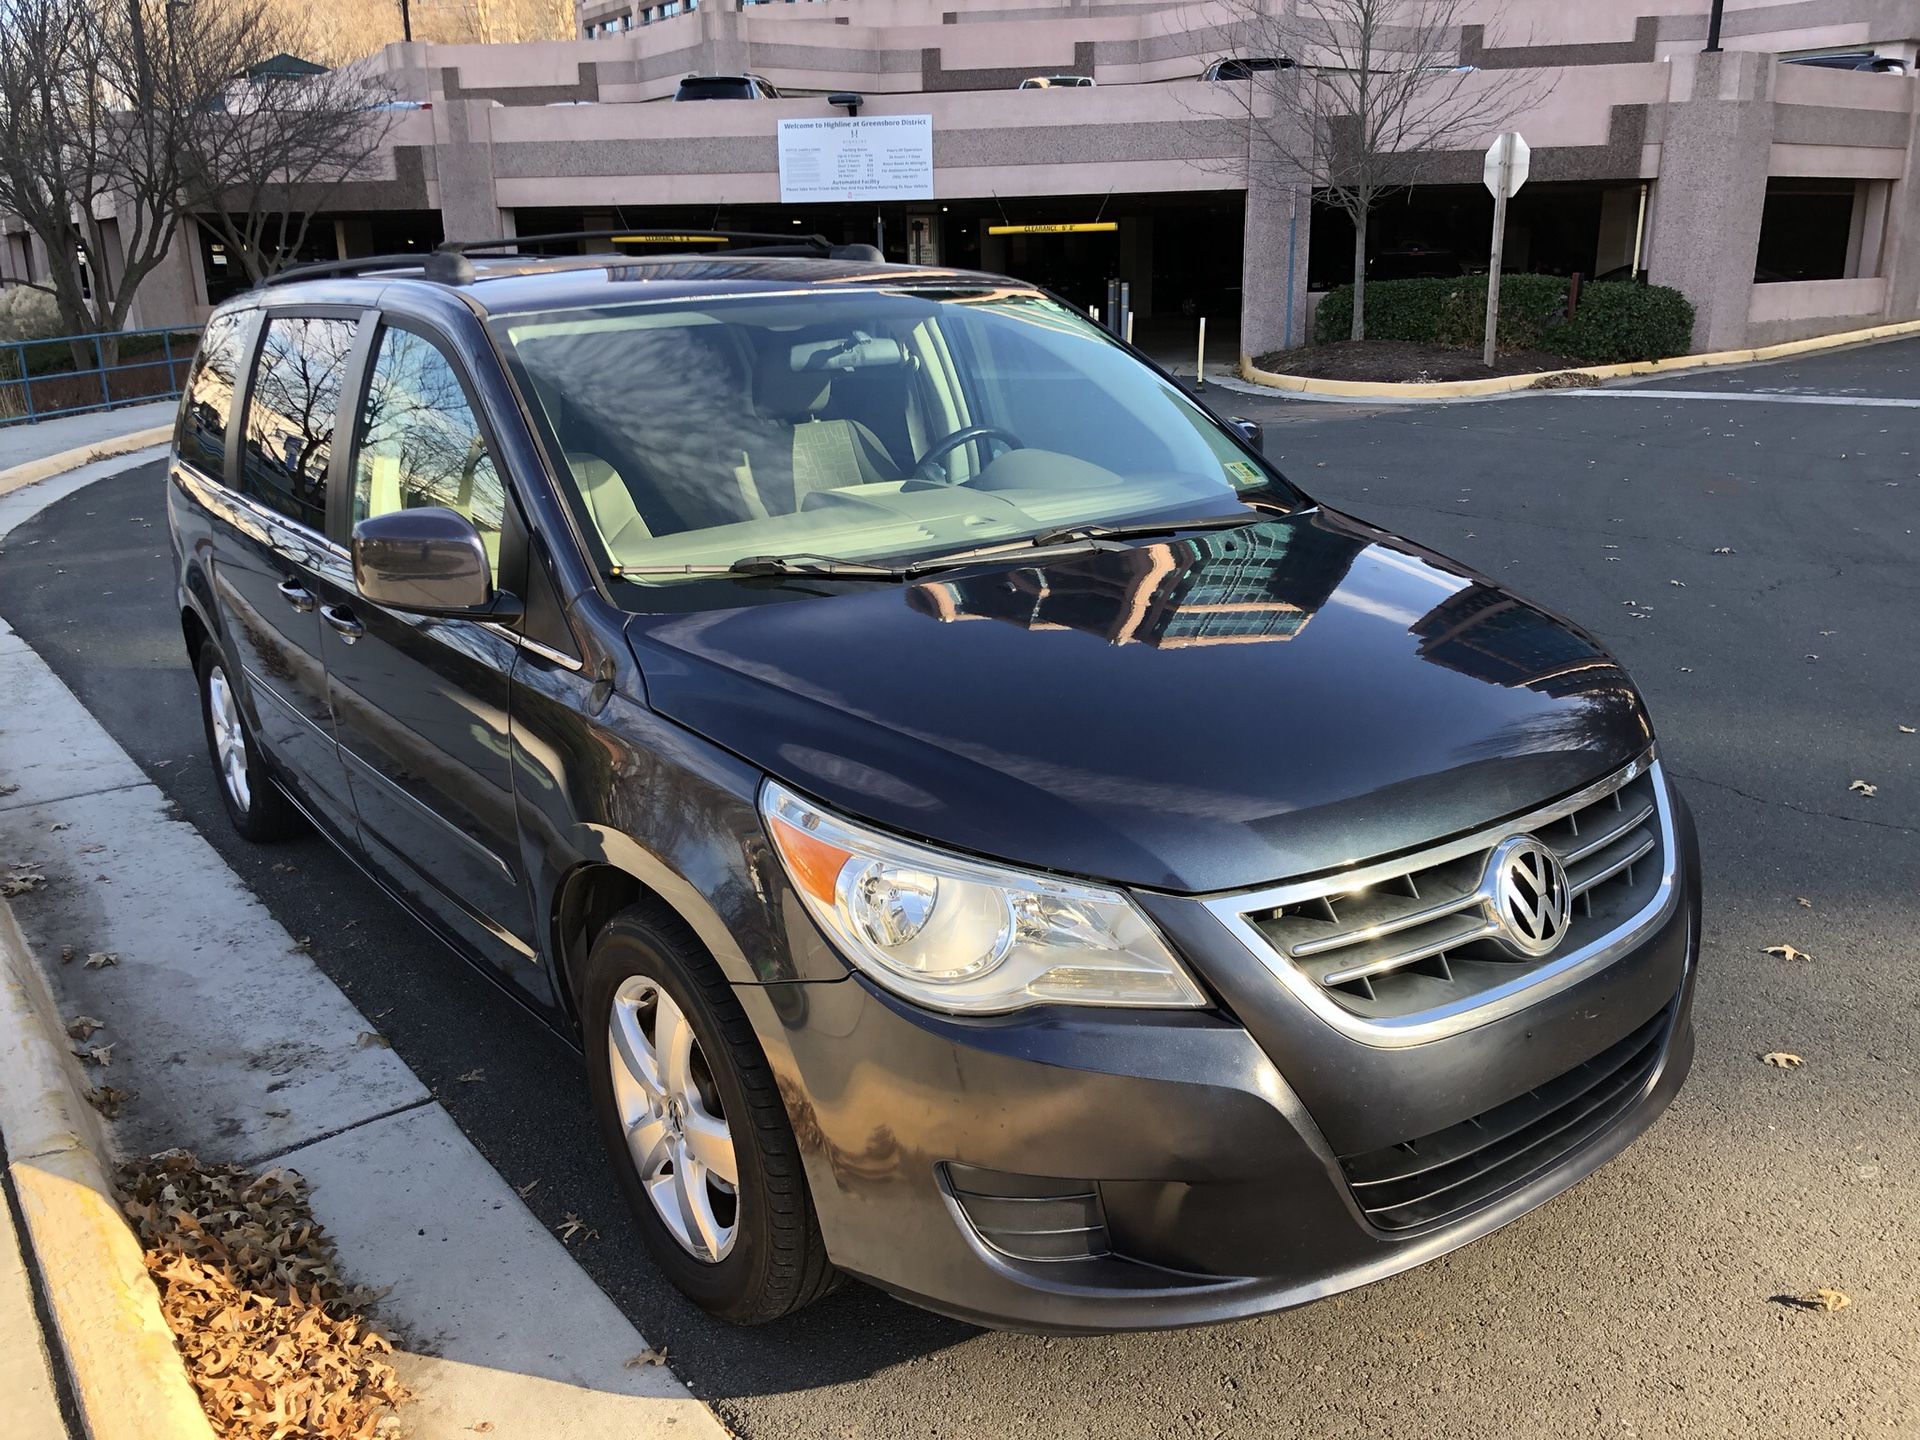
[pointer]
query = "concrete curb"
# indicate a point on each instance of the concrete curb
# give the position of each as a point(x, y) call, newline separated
point(1505, 384)
point(73, 459)
point(127, 1379)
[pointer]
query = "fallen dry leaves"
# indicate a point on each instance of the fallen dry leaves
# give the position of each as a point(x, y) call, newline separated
point(108, 1099)
point(1786, 952)
point(1822, 1299)
point(101, 959)
point(273, 1339)
point(19, 881)
point(1863, 788)
point(1782, 1059)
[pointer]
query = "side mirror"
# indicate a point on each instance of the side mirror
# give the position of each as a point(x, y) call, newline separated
point(1251, 432)
point(430, 561)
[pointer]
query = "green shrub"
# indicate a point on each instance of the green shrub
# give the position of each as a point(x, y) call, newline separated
point(1616, 320)
point(1447, 311)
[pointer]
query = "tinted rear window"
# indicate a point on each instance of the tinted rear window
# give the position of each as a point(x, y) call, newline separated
point(290, 417)
point(202, 438)
point(720, 89)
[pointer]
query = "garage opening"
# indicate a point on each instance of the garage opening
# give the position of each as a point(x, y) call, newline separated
point(1820, 229)
point(1180, 254)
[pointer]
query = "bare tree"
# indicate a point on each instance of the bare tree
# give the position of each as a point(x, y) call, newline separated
point(120, 117)
point(1374, 95)
point(342, 30)
point(86, 152)
point(258, 167)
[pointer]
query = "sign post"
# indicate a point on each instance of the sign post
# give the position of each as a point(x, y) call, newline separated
point(1504, 173)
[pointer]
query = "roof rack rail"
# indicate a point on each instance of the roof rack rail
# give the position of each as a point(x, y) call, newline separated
point(448, 263)
point(441, 265)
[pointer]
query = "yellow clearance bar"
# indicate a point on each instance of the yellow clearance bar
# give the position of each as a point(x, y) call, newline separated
point(1083, 228)
point(669, 239)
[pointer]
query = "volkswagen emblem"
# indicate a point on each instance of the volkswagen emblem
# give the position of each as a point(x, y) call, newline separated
point(1532, 901)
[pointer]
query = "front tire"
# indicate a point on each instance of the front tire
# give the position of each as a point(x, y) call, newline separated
point(694, 1124)
point(256, 807)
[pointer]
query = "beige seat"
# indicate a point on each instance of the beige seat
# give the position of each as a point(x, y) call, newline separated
point(609, 502)
point(799, 453)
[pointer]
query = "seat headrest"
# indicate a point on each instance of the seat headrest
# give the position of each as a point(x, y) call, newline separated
point(782, 393)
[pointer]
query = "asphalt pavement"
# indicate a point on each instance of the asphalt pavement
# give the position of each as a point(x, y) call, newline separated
point(1754, 563)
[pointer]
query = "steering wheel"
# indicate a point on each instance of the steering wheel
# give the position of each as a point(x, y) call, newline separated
point(929, 467)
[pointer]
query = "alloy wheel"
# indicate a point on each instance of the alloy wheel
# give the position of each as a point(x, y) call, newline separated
point(676, 1128)
point(229, 740)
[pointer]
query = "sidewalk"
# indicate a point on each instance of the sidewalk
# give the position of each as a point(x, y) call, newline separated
point(31, 452)
point(231, 1042)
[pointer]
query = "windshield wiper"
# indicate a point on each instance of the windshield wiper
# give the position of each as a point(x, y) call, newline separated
point(829, 567)
point(821, 567)
point(1135, 529)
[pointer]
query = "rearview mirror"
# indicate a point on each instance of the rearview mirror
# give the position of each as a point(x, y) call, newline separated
point(1251, 432)
point(430, 561)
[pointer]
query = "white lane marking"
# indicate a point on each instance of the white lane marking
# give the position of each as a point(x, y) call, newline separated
point(1775, 398)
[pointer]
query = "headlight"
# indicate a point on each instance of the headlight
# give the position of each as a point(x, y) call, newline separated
point(961, 935)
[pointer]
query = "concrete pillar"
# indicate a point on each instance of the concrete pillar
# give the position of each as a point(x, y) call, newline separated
point(1277, 229)
point(1713, 186)
point(1900, 240)
point(463, 171)
point(174, 291)
point(722, 41)
point(1273, 266)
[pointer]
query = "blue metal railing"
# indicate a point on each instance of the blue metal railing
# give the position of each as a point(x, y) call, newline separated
point(43, 378)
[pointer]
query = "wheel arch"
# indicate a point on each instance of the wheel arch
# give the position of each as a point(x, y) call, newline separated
point(615, 874)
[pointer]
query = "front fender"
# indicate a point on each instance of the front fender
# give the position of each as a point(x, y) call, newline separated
point(619, 786)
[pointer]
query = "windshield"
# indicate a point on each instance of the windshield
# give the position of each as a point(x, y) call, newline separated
point(865, 426)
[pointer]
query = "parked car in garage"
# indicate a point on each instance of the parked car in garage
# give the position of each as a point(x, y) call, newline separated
point(1245, 67)
point(1056, 82)
point(725, 87)
point(986, 830)
point(1851, 60)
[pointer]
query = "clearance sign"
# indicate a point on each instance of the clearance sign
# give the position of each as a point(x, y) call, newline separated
point(1086, 227)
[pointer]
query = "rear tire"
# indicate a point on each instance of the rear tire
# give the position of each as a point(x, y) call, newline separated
point(255, 804)
point(745, 1248)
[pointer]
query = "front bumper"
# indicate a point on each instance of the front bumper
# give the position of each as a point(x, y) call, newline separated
point(1180, 1170)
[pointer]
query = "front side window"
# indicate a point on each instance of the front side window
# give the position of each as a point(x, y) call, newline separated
point(290, 417)
point(873, 425)
point(208, 410)
point(419, 443)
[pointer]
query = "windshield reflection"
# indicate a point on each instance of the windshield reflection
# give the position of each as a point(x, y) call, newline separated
point(1251, 586)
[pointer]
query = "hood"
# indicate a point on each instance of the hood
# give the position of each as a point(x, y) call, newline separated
point(1203, 714)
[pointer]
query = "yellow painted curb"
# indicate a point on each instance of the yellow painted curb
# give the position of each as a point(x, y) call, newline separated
point(51, 465)
point(127, 1378)
point(1504, 384)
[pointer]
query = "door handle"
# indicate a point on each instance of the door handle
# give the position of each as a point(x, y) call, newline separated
point(296, 595)
point(341, 619)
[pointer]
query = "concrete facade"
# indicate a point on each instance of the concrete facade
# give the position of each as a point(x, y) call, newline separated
point(1679, 157)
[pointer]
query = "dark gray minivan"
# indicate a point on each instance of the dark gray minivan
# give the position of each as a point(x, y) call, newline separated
point(988, 832)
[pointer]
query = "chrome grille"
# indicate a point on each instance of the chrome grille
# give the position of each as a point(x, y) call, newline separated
point(1410, 939)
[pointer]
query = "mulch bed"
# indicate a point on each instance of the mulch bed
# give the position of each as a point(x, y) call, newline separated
point(1403, 362)
point(275, 1343)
